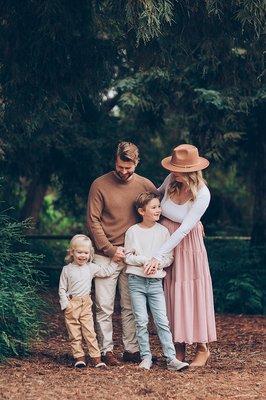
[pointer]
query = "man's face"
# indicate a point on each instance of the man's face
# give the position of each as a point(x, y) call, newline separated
point(124, 169)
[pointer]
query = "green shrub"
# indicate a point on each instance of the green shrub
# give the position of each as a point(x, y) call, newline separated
point(237, 275)
point(20, 304)
point(243, 295)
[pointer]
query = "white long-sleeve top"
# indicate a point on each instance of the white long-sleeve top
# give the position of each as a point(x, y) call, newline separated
point(76, 280)
point(187, 214)
point(140, 245)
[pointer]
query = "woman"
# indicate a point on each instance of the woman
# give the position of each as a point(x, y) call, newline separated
point(188, 286)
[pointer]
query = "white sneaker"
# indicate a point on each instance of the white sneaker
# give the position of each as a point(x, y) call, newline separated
point(146, 363)
point(176, 365)
point(80, 363)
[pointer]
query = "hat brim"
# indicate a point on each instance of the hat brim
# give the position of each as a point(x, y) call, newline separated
point(202, 164)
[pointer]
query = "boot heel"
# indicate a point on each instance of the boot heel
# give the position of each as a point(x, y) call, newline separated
point(201, 358)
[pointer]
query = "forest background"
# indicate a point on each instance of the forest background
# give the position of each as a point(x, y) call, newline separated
point(78, 77)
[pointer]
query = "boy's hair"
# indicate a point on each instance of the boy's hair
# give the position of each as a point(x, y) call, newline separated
point(144, 198)
point(127, 151)
point(75, 242)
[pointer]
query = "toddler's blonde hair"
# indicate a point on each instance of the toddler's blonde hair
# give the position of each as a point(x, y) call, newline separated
point(75, 242)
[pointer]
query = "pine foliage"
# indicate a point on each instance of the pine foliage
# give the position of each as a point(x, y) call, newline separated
point(178, 70)
point(20, 305)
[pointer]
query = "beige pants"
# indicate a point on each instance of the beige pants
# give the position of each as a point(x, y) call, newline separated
point(105, 289)
point(79, 323)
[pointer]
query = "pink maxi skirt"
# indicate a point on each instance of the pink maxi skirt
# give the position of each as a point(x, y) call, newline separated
point(188, 289)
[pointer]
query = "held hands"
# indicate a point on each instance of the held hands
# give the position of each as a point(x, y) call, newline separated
point(119, 255)
point(151, 267)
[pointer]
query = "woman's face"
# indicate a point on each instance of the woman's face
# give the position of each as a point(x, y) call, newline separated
point(179, 177)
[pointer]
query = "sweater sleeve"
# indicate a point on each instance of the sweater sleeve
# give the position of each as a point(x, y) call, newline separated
point(103, 271)
point(63, 286)
point(167, 258)
point(132, 258)
point(192, 218)
point(94, 211)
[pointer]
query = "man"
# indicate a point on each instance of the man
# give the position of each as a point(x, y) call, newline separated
point(110, 213)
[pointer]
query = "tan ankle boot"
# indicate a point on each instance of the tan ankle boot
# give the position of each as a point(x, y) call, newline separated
point(202, 355)
point(180, 349)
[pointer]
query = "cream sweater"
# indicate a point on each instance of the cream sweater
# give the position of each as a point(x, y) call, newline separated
point(140, 245)
point(76, 280)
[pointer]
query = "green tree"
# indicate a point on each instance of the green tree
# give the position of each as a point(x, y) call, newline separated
point(55, 68)
point(198, 77)
point(177, 70)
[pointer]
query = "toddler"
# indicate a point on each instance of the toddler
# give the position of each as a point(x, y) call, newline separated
point(75, 299)
point(145, 282)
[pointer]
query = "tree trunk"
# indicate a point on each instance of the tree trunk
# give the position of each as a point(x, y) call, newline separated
point(259, 209)
point(34, 200)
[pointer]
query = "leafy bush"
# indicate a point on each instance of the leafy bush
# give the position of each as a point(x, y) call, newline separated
point(244, 295)
point(237, 274)
point(54, 252)
point(20, 304)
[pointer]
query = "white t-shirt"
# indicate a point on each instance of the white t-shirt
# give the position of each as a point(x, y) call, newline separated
point(76, 280)
point(140, 245)
point(187, 214)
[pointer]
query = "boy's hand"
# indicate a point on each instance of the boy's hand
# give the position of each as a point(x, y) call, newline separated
point(151, 267)
point(119, 254)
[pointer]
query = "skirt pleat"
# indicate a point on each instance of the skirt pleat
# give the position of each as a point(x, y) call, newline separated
point(188, 289)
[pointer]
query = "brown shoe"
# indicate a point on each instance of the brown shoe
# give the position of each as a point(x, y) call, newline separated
point(131, 357)
point(110, 359)
point(180, 349)
point(80, 362)
point(202, 355)
point(96, 362)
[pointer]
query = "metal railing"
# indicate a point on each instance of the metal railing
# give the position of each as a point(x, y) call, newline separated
point(68, 237)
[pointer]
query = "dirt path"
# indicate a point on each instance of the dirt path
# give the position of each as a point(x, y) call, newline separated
point(234, 370)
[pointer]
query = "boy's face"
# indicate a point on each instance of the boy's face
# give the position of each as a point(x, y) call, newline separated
point(152, 211)
point(81, 255)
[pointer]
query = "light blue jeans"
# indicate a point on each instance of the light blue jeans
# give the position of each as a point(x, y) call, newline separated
point(150, 290)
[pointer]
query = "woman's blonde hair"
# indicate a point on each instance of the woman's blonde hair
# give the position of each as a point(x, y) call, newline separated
point(75, 242)
point(192, 179)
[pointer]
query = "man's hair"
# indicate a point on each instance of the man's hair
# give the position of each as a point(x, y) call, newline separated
point(144, 198)
point(128, 151)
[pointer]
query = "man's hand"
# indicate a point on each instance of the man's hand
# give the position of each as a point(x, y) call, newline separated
point(119, 255)
point(151, 267)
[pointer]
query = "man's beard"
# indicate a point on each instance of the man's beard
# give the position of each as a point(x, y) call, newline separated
point(123, 177)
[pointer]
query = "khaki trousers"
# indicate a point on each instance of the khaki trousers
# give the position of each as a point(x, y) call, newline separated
point(105, 290)
point(79, 324)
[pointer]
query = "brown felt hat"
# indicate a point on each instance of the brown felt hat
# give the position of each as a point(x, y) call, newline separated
point(185, 158)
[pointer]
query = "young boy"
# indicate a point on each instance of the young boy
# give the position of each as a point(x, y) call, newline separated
point(145, 285)
point(75, 300)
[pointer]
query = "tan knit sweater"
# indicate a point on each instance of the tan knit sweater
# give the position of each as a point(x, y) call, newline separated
point(110, 210)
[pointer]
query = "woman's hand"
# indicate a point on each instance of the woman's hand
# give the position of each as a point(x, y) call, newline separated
point(151, 267)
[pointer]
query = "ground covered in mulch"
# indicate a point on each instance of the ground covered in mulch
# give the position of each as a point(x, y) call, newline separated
point(233, 372)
